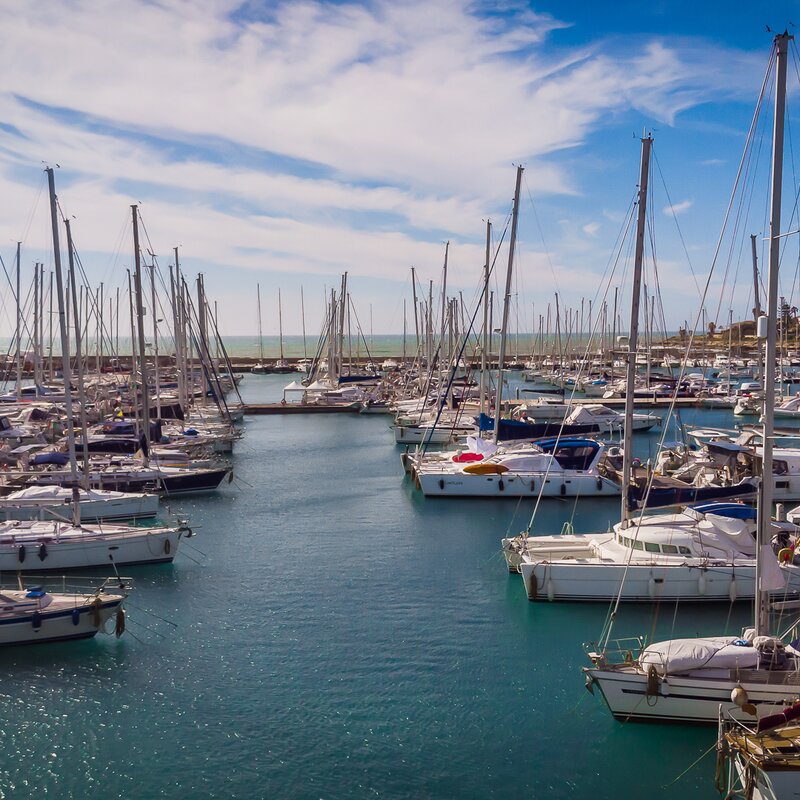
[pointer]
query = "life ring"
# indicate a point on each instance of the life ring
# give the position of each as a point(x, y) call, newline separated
point(786, 555)
point(167, 547)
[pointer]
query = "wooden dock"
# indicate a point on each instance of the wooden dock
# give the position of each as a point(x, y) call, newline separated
point(298, 408)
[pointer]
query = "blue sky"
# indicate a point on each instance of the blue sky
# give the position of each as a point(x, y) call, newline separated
point(282, 143)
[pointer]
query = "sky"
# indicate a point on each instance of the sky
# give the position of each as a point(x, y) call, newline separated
point(283, 143)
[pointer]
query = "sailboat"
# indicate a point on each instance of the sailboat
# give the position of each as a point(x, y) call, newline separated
point(759, 761)
point(701, 553)
point(281, 365)
point(261, 368)
point(749, 675)
point(51, 545)
point(33, 615)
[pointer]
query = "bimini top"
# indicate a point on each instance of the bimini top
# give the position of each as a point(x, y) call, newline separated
point(731, 510)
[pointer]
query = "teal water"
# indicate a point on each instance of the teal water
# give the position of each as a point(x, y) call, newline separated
point(337, 636)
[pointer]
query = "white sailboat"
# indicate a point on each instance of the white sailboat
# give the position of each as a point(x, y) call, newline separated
point(750, 675)
point(61, 545)
point(33, 616)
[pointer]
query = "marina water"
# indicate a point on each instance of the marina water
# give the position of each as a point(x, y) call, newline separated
point(331, 634)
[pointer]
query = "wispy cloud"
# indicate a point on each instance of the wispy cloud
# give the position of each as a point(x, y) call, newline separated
point(591, 228)
point(678, 208)
point(312, 137)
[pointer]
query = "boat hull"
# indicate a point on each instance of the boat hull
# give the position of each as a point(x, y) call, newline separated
point(438, 484)
point(683, 698)
point(83, 622)
point(37, 553)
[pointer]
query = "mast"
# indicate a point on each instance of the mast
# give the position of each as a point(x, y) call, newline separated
point(303, 322)
point(280, 324)
point(137, 284)
point(416, 311)
point(506, 302)
point(633, 338)
point(260, 334)
point(156, 367)
point(65, 365)
point(485, 347)
point(50, 370)
point(19, 326)
point(79, 365)
point(767, 482)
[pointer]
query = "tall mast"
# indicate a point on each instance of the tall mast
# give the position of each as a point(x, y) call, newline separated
point(137, 284)
point(280, 324)
point(767, 480)
point(485, 347)
point(303, 322)
point(156, 367)
point(416, 310)
point(633, 338)
point(405, 330)
point(506, 302)
point(79, 365)
point(50, 371)
point(260, 334)
point(65, 365)
point(19, 325)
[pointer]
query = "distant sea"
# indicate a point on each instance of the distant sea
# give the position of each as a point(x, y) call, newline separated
point(294, 347)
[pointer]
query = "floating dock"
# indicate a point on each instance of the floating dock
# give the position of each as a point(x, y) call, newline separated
point(298, 408)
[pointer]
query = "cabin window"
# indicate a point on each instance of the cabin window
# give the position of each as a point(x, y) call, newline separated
point(685, 551)
point(638, 545)
point(669, 548)
point(651, 547)
point(781, 484)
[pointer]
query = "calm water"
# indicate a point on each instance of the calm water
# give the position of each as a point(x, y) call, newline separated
point(336, 636)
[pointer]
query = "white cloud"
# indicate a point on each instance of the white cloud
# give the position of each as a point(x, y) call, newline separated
point(678, 208)
point(317, 137)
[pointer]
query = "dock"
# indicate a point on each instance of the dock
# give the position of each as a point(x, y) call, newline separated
point(298, 408)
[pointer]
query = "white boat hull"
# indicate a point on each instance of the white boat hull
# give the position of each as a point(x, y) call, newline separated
point(81, 622)
point(135, 507)
point(595, 581)
point(439, 484)
point(37, 553)
point(443, 435)
point(684, 698)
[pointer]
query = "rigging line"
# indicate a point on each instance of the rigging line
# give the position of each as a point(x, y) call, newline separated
point(541, 235)
point(440, 405)
point(540, 494)
point(29, 221)
point(677, 224)
point(684, 361)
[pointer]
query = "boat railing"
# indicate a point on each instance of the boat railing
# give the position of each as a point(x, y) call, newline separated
point(72, 584)
point(615, 651)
